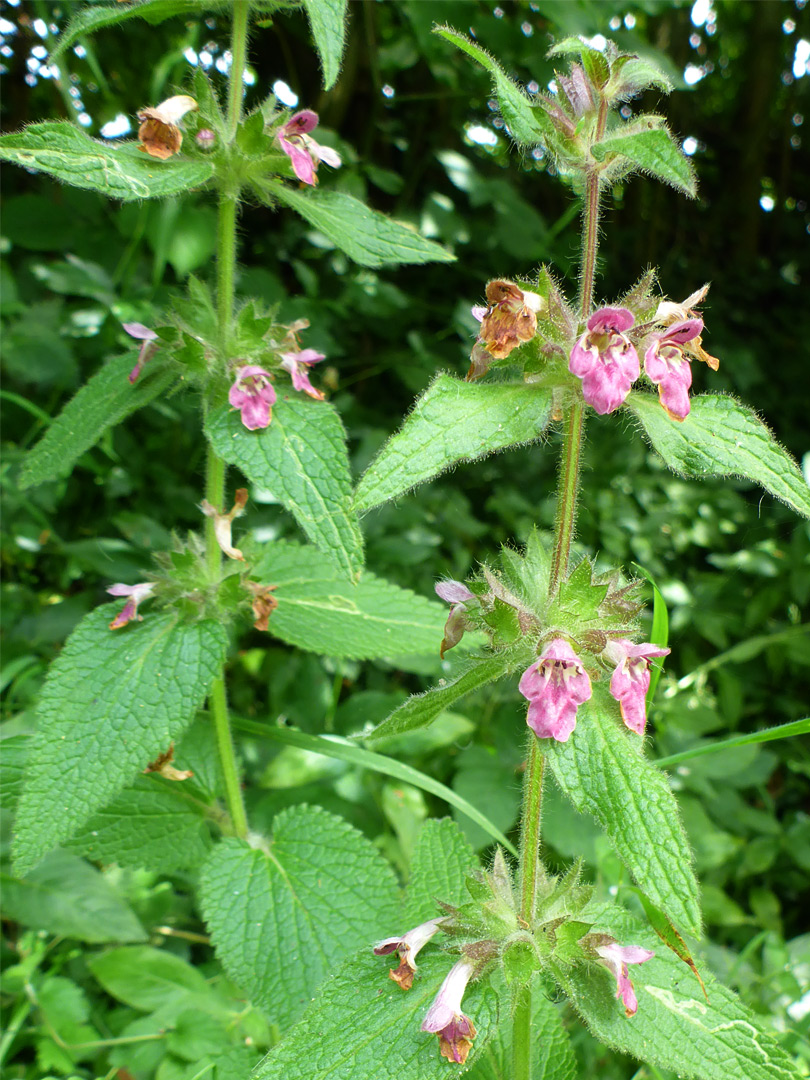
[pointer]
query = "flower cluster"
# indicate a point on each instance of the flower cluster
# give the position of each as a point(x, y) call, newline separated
point(606, 361)
point(556, 684)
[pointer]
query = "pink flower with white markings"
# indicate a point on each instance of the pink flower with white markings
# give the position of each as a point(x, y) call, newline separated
point(631, 678)
point(253, 394)
point(445, 1018)
point(667, 365)
point(147, 338)
point(605, 359)
point(408, 947)
point(302, 150)
point(616, 957)
point(457, 594)
point(297, 363)
point(137, 594)
point(555, 685)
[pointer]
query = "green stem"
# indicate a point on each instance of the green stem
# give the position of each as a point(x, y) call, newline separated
point(530, 830)
point(568, 486)
point(215, 466)
point(522, 1034)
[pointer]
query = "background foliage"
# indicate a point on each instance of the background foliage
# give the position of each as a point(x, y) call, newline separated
point(420, 138)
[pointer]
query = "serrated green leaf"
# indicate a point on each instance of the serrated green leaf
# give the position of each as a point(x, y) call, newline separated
point(720, 437)
point(65, 895)
point(675, 1027)
point(281, 919)
point(320, 610)
point(422, 709)
point(90, 19)
point(602, 771)
point(365, 235)
point(105, 399)
point(453, 421)
point(441, 860)
point(553, 1056)
point(327, 21)
point(113, 701)
point(527, 125)
point(122, 171)
point(654, 152)
point(152, 825)
point(146, 978)
point(363, 1027)
point(301, 459)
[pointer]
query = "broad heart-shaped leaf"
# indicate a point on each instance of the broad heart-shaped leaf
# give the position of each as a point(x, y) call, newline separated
point(441, 859)
point(327, 21)
point(654, 152)
point(321, 610)
point(113, 701)
point(720, 437)
point(453, 421)
point(65, 895)
point(90, 19)
point(675, 1027)
point(105, 399)
point(553, 1055)
point(365, 235)
point(527, 125)
point(301, 459)
point(602, 771)
point(121, 172)
point(362, 1026)
point(422, 709)
point(153, 825)
point(282, 918)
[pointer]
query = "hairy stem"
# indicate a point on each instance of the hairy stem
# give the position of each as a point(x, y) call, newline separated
point(215, 467)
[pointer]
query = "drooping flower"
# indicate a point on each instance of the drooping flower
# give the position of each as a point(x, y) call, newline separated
point(407, 947)
point(445, 1018)
point(159, 134)
point(263, 603)
point(668, 312)
point(297, 363)
point(457, 594)
point(253, 394)
point(666, 364)
point(302, 150)
point(137, 594)
point(509, 319)
point(605, 359)
point(630, 680)
point(616, 957)
point(223, 522)
point(555, 685)
point(147, 337)
point(163, 765)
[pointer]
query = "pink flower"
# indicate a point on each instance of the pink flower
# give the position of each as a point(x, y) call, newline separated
point(147, 337)
point(253, 394)
point(455, 593)
point(555, 685)
point(616, 957)
point(302, 150)
point(297, 363)
point(136, 594)
point(445, 1018)
point(631, 678)
point(666, 364)
point(605, 360)
point(408, 947)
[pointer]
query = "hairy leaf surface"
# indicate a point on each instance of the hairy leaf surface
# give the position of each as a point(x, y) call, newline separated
point(283, 917)
point(441, 859)
point(654, 152)
point(720, 437)
point(453, 421)
point(327, 20)
point(301, 460)
point(113, 701)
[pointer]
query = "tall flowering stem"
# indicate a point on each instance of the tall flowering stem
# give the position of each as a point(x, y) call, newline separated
point(565, 523)
point(215, 469)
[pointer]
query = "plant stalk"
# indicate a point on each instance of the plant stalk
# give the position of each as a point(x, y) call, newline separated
point(215, 466)
point(565, 525)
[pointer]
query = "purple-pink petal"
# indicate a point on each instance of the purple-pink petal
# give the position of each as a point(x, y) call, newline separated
point(139, 331)
point(300, 123)
point(453, 592)
point(301, 161)
point(609, 319)
point(555, 686)
point(253, 394)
